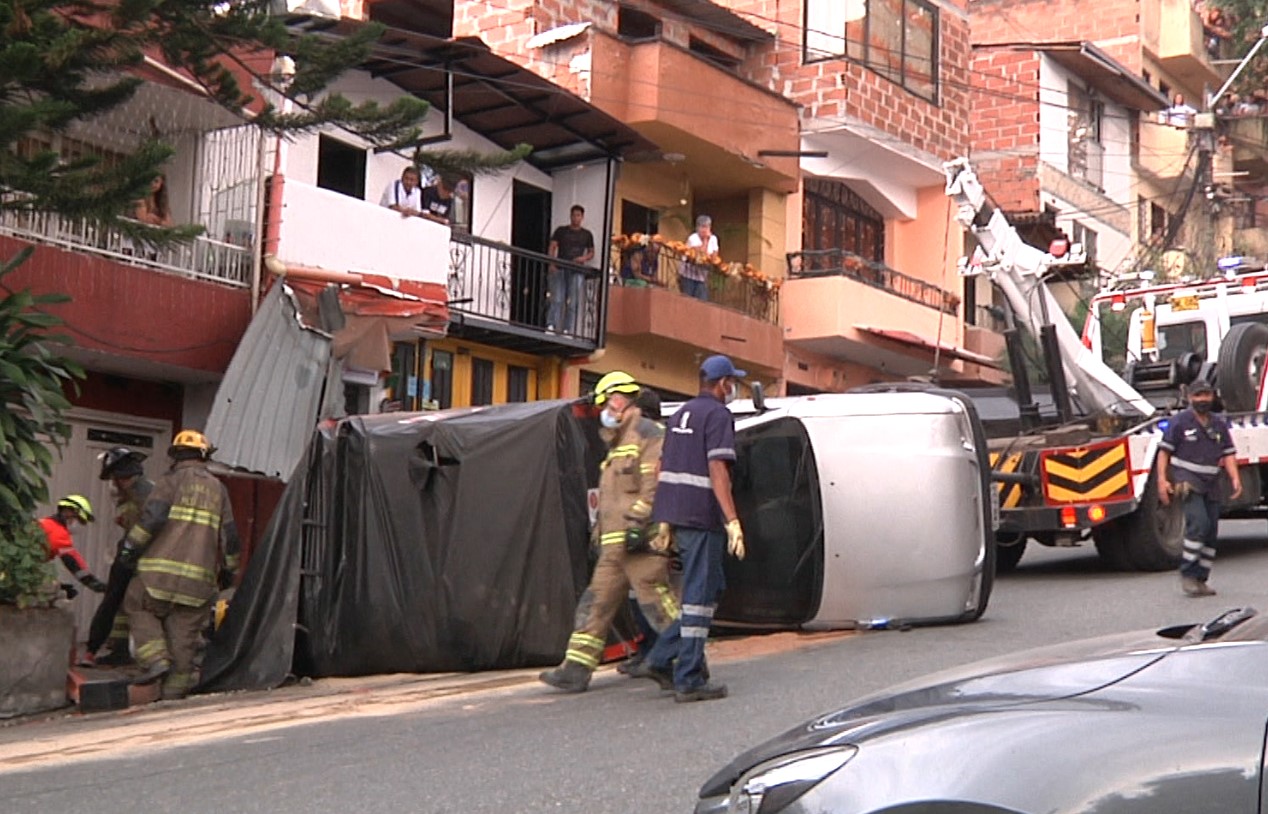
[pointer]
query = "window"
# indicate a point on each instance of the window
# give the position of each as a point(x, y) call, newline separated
point(834, 217)
point(481, 382)
point(635, 218)
point(340, 167)
point(1086, 115)
point(1081, 234)
point(716, 56)
point(632, 24)
point(516, 383)
point(1157, 221)
point(1175, 341)
point(897, 39)
point(442, 378)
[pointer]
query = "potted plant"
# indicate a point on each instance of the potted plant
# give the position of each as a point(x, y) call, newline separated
point(36, 634)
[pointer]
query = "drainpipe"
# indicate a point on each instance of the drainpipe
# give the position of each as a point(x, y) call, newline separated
point(263, 220)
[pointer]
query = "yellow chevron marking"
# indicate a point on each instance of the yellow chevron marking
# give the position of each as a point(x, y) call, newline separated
point(1009, 493)
point(1115, 484)
point(1085, 473)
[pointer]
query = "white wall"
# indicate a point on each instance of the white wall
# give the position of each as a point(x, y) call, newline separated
point(585, 185)
point(491, 197)
point(1054, 104)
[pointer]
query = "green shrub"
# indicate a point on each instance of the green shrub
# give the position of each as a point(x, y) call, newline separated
point(32, 425)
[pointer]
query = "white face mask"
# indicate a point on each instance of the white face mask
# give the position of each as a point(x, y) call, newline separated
point(607, 419)
point(731, 392)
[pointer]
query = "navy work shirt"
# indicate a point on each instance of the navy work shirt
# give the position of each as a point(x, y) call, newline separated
point(702, 430)
point(1196, 450)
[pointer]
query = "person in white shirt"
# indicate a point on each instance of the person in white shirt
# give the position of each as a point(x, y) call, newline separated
point(1179, 114)
point(693, 278)
point(405, 195)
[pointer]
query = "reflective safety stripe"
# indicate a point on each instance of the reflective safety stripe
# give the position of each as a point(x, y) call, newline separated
point(686, 479)
point(139, 536)
point(722, 452)
point(698, 610)
point(647, 469)
point(153, 651)
point(177, 597)
point(178, 681)
point(1201, 469)
point(667, 602)
point(612, 538)
point(580, 639)
point(231, 562)
point(694, 632)
point(587, 660)
point(189, 514)
point(640, 508)
point(154, 565)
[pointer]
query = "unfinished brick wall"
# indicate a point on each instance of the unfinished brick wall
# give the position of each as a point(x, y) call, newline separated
point(1005, 128)
point(1114, 26)
point(840, 88)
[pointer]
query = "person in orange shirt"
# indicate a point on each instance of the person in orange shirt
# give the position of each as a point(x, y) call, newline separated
point(71, 509)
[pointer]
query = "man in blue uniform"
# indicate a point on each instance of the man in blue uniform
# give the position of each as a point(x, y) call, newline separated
point(1195, 448)
point(695, 508)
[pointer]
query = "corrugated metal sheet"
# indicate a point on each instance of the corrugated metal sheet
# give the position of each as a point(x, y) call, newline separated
point(266, 407)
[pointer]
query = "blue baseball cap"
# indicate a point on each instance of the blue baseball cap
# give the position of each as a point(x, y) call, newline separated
point(715, 367)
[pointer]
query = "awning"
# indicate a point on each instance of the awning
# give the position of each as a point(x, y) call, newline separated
point(498, 99)
point(423, 306)
point(913, 341)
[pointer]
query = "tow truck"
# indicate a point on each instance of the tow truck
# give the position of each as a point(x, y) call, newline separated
point(1086, 467)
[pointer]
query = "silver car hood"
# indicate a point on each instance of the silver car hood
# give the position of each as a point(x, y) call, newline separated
point(1033, 676)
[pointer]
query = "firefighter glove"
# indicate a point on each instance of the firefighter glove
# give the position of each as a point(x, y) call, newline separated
point(94, 584)
point(664, 538)
point(70, 590)
point(735, 539)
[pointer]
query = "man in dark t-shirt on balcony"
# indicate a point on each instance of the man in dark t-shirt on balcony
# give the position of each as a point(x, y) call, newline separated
point(567, 287)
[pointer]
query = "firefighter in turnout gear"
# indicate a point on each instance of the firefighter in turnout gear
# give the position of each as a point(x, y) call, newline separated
point(627, 483)
point(122, 467)
point(184, 547)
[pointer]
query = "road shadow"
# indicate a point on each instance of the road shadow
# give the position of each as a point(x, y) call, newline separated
point(1045, 562)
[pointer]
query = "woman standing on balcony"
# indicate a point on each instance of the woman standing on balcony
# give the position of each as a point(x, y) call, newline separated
point(153, 208)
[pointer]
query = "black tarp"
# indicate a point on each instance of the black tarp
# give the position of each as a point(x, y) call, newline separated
point(420, 542)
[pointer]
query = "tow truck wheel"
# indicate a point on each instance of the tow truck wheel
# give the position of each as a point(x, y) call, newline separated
point(1241, 364)
point(1149, 539)
point(1008, 550)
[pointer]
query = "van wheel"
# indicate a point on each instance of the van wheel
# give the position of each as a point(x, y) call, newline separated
point(1008, 551)
point(1149, 539)
point(1241, 366)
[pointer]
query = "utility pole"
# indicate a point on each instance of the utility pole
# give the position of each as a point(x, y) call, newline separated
point(1204, 131)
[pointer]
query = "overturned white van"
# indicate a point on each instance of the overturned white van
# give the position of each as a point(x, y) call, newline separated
point(864, 509)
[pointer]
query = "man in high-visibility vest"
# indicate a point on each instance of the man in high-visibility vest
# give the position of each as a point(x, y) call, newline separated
point(184, 547)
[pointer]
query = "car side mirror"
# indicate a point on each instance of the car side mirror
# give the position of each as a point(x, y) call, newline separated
point(759, 397)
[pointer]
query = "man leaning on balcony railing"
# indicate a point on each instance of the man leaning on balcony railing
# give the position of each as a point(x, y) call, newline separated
point(566, 287)
point(693, 278)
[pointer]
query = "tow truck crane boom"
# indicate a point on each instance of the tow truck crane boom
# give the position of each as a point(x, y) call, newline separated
point(1018, 270)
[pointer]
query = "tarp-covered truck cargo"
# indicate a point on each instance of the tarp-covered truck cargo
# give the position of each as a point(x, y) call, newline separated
point(860, 507)
point(418, 543)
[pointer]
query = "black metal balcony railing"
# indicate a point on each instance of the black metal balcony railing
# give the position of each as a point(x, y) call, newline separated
point(842, 263)
point(517, 287)
point(660, 266)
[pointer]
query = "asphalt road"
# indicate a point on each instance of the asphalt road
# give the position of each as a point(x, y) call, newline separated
point(620, 747)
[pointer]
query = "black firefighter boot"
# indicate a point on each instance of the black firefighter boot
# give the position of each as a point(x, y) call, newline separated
point(569, 677)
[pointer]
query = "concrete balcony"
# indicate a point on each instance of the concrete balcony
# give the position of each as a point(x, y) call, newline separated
point(173, 315)
point(321, 229)
point(1249, 137)
point(686, 104)
point(839, 305)
point(1164, 151)
point(1172, 31)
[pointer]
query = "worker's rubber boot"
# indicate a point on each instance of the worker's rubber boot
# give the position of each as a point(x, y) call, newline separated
point(569, 677)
